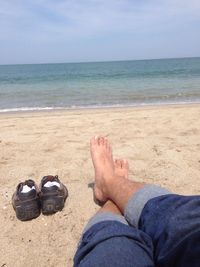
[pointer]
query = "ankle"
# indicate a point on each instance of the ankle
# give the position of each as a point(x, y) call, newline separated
point(110, 185)
point(109, 206)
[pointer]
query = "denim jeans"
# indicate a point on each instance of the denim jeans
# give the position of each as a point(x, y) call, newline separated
point(161, 229)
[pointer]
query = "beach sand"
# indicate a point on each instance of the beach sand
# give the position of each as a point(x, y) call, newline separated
point(162, 145)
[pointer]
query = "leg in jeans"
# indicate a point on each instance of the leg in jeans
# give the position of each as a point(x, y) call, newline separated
point(109, 241)
point(172, 221)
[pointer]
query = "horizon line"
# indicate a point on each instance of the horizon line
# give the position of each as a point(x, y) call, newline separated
point(103, 61)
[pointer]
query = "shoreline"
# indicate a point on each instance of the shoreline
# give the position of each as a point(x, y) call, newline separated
point(92, 109)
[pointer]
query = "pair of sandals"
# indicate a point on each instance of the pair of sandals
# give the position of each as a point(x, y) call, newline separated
point(29, 200)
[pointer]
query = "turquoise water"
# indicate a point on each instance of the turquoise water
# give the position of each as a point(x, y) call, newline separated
point(102, 84)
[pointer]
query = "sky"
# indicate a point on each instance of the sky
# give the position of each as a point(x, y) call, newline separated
point(52, 31)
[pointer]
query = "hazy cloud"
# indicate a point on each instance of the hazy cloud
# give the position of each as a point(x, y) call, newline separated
point(44, 26)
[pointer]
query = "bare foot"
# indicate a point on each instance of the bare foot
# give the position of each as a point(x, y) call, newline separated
point(121, 168)
point(102, 159)
point(105, 167)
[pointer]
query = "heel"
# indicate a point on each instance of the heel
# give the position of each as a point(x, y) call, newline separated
point(28, 211)
point(52, 204)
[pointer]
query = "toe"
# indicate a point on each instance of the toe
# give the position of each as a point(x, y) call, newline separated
point(125, 164)
point(117, 163)
point(109, 148)
point(125, 167)
point(94, 140)
point(106, 142)
point(101, 141)
point(121, 163)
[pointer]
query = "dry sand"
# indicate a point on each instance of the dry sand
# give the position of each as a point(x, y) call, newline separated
point(162, 145)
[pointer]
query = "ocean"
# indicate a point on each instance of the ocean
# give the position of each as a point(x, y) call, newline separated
point(99, 84)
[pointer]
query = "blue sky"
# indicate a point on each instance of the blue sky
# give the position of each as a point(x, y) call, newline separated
point(39, 31)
